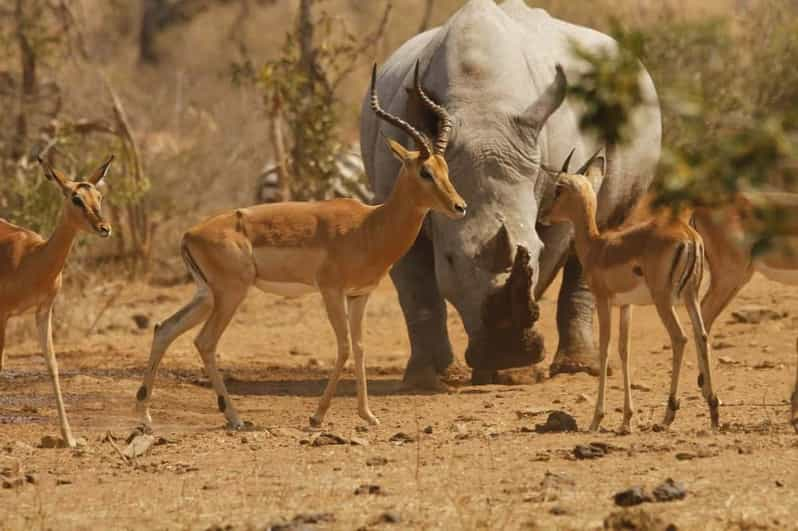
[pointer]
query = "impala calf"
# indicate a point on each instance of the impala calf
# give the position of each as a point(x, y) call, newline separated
point(341, 248)
point(728, 241)
point(30, 266)
point(656, 262)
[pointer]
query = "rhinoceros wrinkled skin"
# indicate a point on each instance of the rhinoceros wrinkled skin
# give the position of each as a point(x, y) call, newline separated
point(494, 69)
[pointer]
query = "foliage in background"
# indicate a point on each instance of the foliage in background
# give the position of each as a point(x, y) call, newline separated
point(728, 89)
point(300, 88)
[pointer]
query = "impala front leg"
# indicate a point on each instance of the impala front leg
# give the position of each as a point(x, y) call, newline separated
point(357, 310)
point(605, 324)
point(623, 350)
point(44, 322)
point(335, 303)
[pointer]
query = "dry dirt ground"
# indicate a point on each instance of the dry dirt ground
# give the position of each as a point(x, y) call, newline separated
point(471, 458)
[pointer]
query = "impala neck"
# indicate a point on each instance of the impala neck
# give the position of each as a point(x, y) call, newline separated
point(54, 253)
point(397, 222)
point(586, 232)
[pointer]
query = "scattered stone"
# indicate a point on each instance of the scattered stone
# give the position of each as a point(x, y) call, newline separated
point(362, 428)
point(630, 497)
point(12, 483)
point(142, 321)
point(557, 422)
point(636, 520)
point(401, 438)
point(368, 489)
point(641, 387)
point(358, 441)
point(428, 430)
point(48, 441)
point(685, 456)
point(388, 517)
point(756, 314)
point(590, 451)
point(302, 522)
point(286, 432)
point(376, 461)
point(669, 490)
point(559, 510)
point(63, 481)
point(139, 446)
point(722, 345)
point(552, 480)
point(767, 364)
point(327, 439)
point(725, 360)
point(530, 412)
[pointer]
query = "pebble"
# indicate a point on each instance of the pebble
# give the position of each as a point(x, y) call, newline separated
point(557, 422)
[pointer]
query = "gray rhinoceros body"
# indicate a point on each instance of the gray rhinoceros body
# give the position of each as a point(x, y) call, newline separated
point(490, 66)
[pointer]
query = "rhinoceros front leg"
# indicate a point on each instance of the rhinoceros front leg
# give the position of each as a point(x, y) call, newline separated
point(576, 351)
point(424, 310)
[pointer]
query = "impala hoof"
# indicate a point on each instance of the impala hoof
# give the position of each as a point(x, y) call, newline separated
point(369, 417)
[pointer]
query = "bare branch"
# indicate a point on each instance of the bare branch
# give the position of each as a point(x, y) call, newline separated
point(371, 41)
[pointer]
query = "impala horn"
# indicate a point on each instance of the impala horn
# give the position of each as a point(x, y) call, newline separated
point(421, 141)
point(445, 122)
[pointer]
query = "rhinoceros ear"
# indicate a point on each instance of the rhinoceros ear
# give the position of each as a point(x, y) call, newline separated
point(535, 115)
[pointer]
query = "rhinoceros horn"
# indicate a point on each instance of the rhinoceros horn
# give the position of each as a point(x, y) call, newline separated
point(524, 310)
point(497, 256)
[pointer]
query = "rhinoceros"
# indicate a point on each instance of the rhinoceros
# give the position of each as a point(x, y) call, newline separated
point(495, 68)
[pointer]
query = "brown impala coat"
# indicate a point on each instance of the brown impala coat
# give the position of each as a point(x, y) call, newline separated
point(341, 248)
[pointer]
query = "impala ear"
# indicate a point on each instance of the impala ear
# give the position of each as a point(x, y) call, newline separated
point(399, 151)
point(54, 175)
point(101, 172)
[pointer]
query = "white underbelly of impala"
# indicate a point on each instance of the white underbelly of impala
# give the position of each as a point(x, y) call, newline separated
point(286, 289)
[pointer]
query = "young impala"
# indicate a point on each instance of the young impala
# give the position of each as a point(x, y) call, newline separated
point(30, 266)
point(659, 261)
point(727, 235)
point(340, 247)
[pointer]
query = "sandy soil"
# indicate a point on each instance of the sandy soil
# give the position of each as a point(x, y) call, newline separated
point(471, 460)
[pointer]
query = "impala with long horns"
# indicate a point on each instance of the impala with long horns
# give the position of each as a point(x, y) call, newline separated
point(30, 266)
point(341, 248)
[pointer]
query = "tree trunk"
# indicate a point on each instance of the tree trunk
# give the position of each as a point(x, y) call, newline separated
point(27, 57)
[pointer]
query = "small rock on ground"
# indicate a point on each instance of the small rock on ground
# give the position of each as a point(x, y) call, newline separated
point(557, 422)
point(367, 488)
point(328, 439)
point(401, 438)
point(669, 490)
point(388, 517)
point(376, 461)
point(139, 446)
point(303, 522)
point(590, 451)
point(632, 496)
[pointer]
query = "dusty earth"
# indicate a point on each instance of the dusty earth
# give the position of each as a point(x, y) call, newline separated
point(468, 460)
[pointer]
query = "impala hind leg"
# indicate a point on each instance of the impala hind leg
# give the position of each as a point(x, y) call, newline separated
point(678, 342)
point(795, 394)
point(224, 307)
point(44, 322)
point(623, 350)
point(605, 324)
point(3, 321)
point(335, 303)
point(165, 333)
point(704, 362)
point(357, 310)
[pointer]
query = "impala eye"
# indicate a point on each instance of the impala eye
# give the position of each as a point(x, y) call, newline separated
point(425, 173)
point(77, 201)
